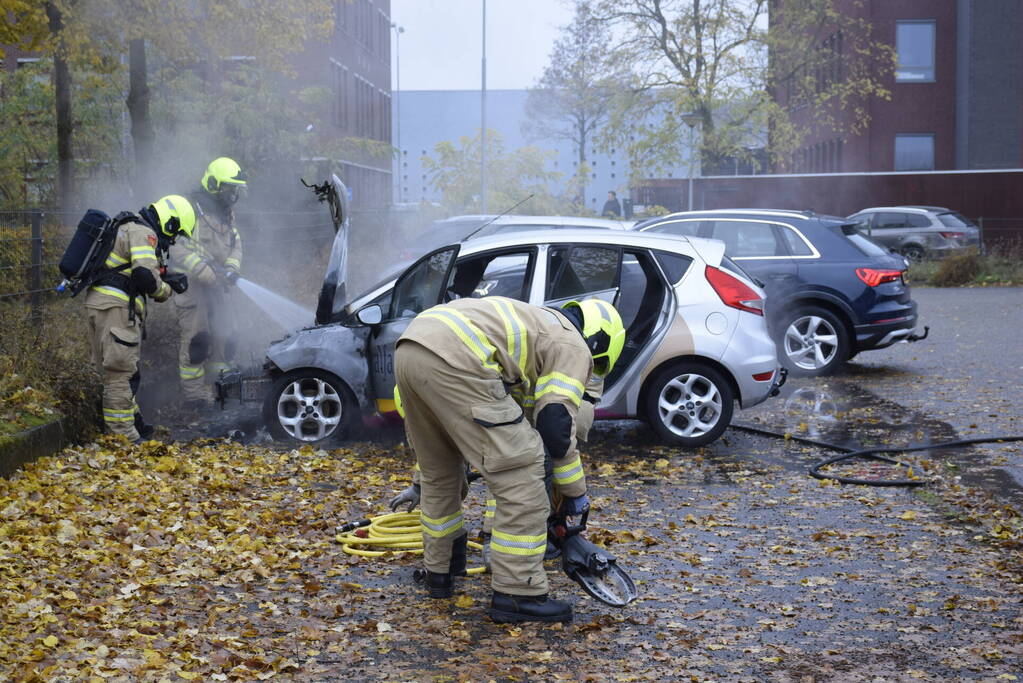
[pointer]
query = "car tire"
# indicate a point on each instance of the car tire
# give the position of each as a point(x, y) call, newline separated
point(310, 406)
point(689, 404)
point(812, 342)
point(914, 253)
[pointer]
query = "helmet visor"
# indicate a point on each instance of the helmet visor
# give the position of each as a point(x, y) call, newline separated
point(230, 194)
point(606, 350)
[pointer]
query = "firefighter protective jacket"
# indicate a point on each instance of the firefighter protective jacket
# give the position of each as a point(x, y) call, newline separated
point(537, 352)
point(134, 246)
point(215, 245)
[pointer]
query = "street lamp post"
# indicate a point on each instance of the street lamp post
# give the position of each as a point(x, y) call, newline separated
point(692, 120)
point(398, 30)
point(483, 118)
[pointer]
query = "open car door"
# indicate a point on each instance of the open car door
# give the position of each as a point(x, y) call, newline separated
point(420, 287)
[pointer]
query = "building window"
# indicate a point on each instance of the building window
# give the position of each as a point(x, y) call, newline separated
point(914, 43)
point(914, 152)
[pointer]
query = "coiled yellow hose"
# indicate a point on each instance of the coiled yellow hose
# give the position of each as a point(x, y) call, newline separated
point(397, 532)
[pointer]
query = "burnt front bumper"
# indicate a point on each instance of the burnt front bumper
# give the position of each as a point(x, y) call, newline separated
point(247, 387)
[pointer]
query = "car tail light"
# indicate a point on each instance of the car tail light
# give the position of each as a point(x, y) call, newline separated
point(734, 292)
point(953, 235)
point(874, 276)
point(763, 376)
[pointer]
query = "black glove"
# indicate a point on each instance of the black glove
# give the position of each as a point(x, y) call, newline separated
point(410, 495)
point(575, 506)
point(177, 281)
point(231, 276)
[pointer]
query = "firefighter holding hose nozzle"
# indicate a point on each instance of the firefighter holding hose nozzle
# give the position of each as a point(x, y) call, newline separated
point(494, 382)
point(212, 259)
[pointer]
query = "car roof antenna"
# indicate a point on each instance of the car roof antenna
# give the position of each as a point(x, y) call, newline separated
point(506, 211)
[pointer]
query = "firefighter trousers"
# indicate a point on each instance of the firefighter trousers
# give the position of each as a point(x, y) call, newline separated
point(450, 416)
point(200, 349)
point(116, 343)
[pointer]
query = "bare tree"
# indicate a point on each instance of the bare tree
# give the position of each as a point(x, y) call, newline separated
point(573, 96)
point(752, 73)
point(62, 91)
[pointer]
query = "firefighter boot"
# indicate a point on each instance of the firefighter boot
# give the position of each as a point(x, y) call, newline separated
point(459, 550)
point(505, 608)
point(442, 585)
point(144, 429)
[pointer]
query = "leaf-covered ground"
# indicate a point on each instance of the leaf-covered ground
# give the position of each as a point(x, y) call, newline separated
point(218, 561)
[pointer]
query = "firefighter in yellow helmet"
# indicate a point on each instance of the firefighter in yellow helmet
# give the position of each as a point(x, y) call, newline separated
point(116, 304)
point(212, 259)
point(496, 382)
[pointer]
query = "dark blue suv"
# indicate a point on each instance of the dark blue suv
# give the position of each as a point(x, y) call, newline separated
point(831, 291)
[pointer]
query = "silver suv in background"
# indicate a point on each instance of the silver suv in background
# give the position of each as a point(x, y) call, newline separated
point(919, 232)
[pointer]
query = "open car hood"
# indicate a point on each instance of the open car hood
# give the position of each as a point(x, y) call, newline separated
point(334, 293)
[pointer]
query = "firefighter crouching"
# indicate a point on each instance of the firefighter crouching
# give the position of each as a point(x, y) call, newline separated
point(474, 375)
point(116, 304)
point(212, 259)
point(411, 495)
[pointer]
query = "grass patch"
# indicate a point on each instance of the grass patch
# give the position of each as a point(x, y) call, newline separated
point(998, 267)
point(47, 370)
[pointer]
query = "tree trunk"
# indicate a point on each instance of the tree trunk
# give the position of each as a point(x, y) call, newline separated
point(62, 97)
point(142, 135)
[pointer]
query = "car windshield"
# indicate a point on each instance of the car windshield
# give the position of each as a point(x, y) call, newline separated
point(868, 246)
point(952, 219)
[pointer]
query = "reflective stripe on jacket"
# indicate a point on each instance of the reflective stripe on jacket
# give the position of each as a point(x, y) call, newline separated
point(535, 351)
point(134, 246)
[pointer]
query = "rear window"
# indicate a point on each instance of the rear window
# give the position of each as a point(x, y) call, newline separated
point(729, 264)
point(797, 247)
point(954, 220)
point(674, 265)
point(868, 246)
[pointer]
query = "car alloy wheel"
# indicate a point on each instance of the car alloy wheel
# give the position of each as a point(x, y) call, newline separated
point(689, 404)
point(814, 342)
point(308, 406)
point(811, 343)
point(309, 409)
point(913, 253)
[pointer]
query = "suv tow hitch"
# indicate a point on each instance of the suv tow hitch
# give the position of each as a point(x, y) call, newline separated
point(783, 374)
point(919, 337)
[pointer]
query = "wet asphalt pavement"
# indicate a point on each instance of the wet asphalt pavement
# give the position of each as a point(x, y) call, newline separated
point(962, 382)
point(748, 568)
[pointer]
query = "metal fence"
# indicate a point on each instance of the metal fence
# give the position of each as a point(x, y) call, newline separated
point(1002, 233)
point(31, 243)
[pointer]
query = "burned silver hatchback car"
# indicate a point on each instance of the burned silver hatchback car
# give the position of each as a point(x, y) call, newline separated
point(696, 337)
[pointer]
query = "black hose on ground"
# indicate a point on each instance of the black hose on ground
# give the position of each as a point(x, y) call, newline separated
point(871, 454)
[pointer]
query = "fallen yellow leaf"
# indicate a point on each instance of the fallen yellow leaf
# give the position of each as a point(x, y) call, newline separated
point(51, 641)
point(463, 601)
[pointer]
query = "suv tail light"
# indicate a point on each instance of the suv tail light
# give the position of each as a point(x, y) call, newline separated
point(734, 292)
point(953, 235)
point(874, 276)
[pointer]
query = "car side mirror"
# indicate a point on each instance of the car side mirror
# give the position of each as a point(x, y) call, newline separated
point(370, 315)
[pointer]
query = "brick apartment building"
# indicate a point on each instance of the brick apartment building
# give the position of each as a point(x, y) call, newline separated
point(956, 94)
